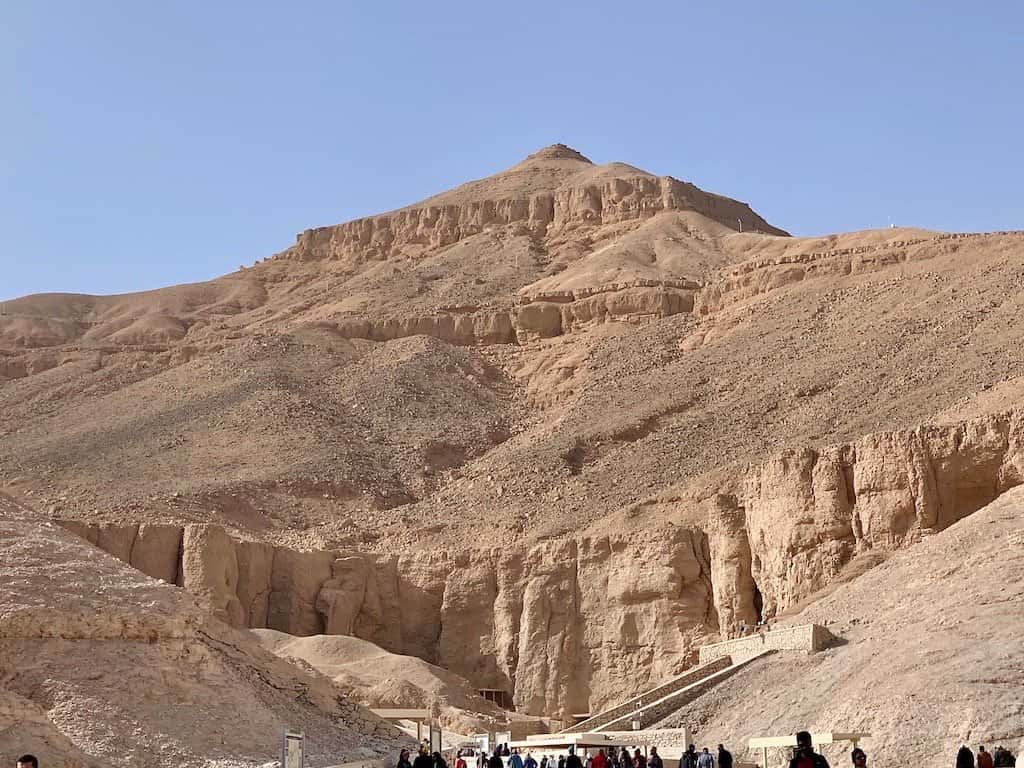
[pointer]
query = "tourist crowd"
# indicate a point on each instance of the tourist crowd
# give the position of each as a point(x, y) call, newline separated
point(804, 756)
point(998, 758)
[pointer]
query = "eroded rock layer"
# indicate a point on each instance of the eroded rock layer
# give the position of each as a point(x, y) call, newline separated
point(571, 625)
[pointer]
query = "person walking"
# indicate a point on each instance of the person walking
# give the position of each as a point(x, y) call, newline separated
point(495, 761)
point(984, 758)
point(724, 757)
point(514, 760)
point(439, 761)
point(655, 761)
point(625, 761)
point(529, 762)
point(573, 760)
point(964, 757)
point(859, 758)
point(1003, 758)
point(639, 761)
point(423, 759)
point(403, 759)
point(804, 755)
point(600, 760)
point(689, 758)
point(705, 760)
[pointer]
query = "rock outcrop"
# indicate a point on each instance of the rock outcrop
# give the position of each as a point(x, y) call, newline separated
point(570, 625)
point(104, 666)
point(561, 626)
point(587, 196)
point(807, 513)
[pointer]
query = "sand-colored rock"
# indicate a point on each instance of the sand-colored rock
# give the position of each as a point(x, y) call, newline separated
point(294, 586)
point(807, 512)
point(928, 656)
point(588, 195)
point(552, 429)
point(156, 551)
point(340, 597)
point(376, 678)
point(255, 567)
point(574, 625)
point(209, 569)
point(118, 540)
point(108, 667)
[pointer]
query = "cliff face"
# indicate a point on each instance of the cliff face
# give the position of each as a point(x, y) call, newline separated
point(563, 625)
point(573, 624)
point(808, 513)
point(88, 645)
point(574, 204)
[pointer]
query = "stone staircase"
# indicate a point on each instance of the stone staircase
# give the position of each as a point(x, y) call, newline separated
point(717, 662)
point(617, 713)
point(653, 715)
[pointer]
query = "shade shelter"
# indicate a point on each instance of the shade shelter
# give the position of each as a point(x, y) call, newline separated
point(560, 742)
point(418, 716)
point(764, 743)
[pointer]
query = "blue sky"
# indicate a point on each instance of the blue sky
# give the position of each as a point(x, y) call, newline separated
point(147, 143)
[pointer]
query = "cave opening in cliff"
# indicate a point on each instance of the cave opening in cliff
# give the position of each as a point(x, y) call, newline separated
point(497, 696)
point(758, 604)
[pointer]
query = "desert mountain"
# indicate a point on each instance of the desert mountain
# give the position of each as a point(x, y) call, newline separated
point(105, 666)
point(551, 430)
point(928, 661)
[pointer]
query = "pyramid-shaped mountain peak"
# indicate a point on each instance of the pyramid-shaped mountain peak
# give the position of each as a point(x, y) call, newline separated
point(558, 152)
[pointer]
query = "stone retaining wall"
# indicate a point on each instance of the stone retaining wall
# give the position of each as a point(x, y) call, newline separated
point(656, 711)
point(806, 637)
point(667, 740)
point(646, 698)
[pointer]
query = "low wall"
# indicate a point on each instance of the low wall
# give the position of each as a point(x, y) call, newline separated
point(670, 740)
point(656, 711)
point(806, 637)
point(648, 697)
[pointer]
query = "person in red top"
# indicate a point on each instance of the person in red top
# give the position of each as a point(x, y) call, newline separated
point(984, 758)
point(804, 755)
point(600, 760)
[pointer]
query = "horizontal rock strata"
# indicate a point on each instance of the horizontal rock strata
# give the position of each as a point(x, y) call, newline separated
point(542, 215)
point(570, 625)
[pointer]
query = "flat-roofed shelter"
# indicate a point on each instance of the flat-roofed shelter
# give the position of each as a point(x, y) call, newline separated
point(764, 743)
point(418, 716)
point(576, 740)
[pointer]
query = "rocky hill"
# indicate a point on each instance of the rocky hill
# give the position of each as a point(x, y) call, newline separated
point(929, 657)
point(105, 666)
point(550, 430)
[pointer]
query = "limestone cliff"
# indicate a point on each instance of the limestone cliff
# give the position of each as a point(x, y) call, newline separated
point(553, 191)
point(570, 625)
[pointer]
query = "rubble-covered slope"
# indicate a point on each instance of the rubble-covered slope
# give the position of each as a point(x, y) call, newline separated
point(552, 430)
point(101, 665)
point(929, 655)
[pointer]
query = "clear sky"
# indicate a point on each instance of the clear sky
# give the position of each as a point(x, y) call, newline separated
point(146, 143)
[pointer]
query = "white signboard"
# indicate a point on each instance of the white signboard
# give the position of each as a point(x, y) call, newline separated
point(435, 738)
point(292, 752)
